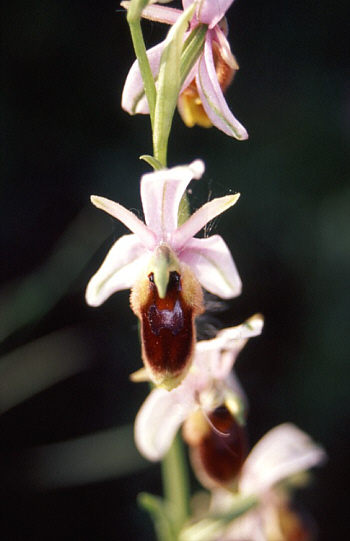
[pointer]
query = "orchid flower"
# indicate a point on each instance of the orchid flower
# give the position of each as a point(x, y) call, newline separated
point(277, 463)
point(201, 100)
point(209, 386)
point(166, 266)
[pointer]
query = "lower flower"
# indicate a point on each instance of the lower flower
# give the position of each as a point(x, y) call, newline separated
point(209, 402)
point(260, 507)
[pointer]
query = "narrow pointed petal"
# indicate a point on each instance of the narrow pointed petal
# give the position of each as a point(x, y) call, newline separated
point(161, 193)
point(212, 97)
point(157, 13)
point(224, 48)
point(119, 270)
point(158, 421)
point(213, 266)
point(283, 452)
point(201, 217)
point(132, 222)
point(232, 337)
point(134, 99)
point(209, 12)
point(223, 350)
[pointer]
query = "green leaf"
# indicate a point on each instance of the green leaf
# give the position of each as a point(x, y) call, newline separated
point(161, 515)
point(169, 83)
point(151, 160)
point(192, 49)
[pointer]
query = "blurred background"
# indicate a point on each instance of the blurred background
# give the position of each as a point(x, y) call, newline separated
point(68, 462)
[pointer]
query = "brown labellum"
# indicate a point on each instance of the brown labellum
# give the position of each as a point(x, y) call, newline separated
point(220, 453)
point(167, 325)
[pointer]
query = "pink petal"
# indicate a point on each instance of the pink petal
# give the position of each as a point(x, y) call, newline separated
point(213, 265)
point(201, 217)
point(134, 99)
point(145, 235)
point(157, 13)
point(212, 97)
point(158, 421)
point(209, 12)
point(224, 48)
point(225, 347)
point(283, 452)
point(161, 14)
point(121, 267)
point(161, 193)
point(232, 337)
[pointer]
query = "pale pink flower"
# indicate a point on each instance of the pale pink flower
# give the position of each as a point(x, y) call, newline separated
point(161, 193)
point(277, 463)
point(201, 98)
point(165, 265)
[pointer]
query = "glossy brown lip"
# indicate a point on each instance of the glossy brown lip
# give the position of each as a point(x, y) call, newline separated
point(223, 449)
point(167, 328)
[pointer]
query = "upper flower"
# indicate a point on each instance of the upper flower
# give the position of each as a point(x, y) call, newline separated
point(160, 238)
point(166, 267)
point(209, 385)
point(201, 100)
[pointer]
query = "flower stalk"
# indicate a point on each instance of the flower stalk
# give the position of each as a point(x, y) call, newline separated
point(195, 394)
point(176, 481)
point(169, 82)
point(134, 21)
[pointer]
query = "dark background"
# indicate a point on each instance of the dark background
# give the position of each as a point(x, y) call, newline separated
point(67, 468)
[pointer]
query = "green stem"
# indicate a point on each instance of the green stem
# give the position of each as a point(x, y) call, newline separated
point(160, 149)
point(134, 20)
point(175, 480)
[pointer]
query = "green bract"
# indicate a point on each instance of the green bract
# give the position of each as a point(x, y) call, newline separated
point(169, 83)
